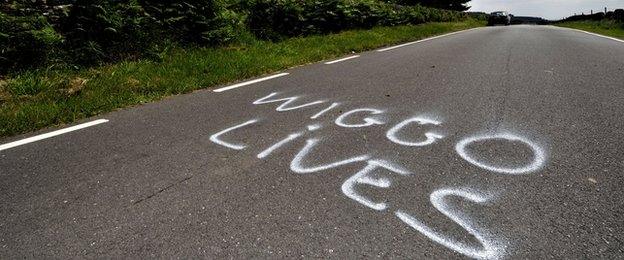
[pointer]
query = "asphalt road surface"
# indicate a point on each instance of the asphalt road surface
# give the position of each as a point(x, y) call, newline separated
point(502, 142)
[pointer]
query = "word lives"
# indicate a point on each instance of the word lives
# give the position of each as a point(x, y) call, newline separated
point(369, 117)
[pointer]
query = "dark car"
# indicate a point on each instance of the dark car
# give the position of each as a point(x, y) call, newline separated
point(500, 17)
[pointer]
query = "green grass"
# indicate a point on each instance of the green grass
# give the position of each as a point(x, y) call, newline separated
point(34, 100)
point(605, 27)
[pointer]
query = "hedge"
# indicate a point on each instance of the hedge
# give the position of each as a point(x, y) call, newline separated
point(82, 33)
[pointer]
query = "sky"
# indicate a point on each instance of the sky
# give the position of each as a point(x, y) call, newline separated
point(549, 9)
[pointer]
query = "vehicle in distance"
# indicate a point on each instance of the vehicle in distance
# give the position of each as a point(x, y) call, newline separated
point(499, 17)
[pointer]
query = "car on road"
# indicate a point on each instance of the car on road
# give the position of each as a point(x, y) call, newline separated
point(499, 17)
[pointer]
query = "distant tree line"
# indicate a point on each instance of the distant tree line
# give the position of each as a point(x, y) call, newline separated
point(78, 33)
point(617, 15)
point(529, 20)
point(456, 5)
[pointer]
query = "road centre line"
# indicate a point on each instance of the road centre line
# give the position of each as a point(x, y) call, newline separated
point(332, 62)
point(343, 59)
point(250, 82)
point(423, 40)
point(51, 134)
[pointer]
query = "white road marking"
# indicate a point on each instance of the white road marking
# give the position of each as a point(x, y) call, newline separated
point(324, 110)
point(215, 137)
point(538, 161)
point(284, 106)
point(423, 40)
point(368, 121)
point(51, 134)
point(250, 82)
point(314, 127)
point(431, 137)
point(343, 59)
point(279, 144)
point(595, 34)
point(364, 177)
point(297, 167)
point(491, 248)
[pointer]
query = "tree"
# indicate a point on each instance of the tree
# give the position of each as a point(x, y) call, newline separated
point(456, 5)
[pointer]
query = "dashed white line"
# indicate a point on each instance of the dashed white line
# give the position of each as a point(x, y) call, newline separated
point(423, 40)
point(51, 134)
point(250, 82)
point(343, 59)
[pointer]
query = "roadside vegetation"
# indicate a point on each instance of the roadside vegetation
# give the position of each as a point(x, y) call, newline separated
point(66, 62)
point(610, 24)
point(605, 27)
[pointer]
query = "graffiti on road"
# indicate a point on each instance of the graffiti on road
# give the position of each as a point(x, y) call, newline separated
point(415, 132)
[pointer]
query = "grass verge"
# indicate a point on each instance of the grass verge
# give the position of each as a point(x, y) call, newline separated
point(604, 27)
point(34, 100)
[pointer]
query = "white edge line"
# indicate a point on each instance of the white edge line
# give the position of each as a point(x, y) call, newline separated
point(343, 59)
point(424, 40)
point(51, 134)
point(250, 82)
point(594, 34)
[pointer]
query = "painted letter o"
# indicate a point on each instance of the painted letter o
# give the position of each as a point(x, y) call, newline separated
point(536, 164)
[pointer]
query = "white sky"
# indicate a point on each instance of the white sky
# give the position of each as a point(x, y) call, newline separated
point(549, 9)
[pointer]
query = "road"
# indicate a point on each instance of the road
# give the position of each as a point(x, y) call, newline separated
point(501, 142)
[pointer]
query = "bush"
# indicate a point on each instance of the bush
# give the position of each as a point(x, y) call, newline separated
point(278, 19)
point(272, 19)
point(104, 31)
point(611, 19)
point(370, 13)
point(193, 21)
point(618, 15)
point(26, 41)
point(455, 5)
point(90, 32)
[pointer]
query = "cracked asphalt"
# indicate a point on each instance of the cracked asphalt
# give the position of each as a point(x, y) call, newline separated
point(514, 151)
